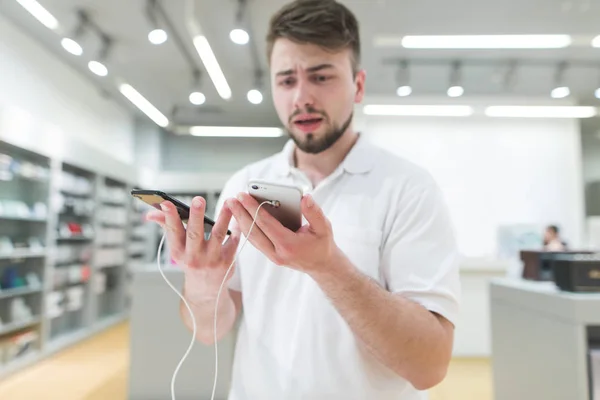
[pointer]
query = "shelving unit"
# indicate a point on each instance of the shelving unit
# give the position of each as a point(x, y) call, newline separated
point(67, 243)
point(24, 225)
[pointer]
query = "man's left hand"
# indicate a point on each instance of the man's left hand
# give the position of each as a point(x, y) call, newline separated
point(310, 249)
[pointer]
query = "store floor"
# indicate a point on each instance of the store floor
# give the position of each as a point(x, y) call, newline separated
point(96, 369)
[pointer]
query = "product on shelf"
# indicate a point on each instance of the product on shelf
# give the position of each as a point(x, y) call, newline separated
point(75, 205)
point(54, 302)
point(8, 246)
point(74, 297)
point(19, 209)
point(113, 215)
point(111, 236)
point(77, 185)
point(75, 230)
point(10, 279)
point(18, 345)
point(11, 168)
point(74, 253)
point(114, 194)
point(19, 310)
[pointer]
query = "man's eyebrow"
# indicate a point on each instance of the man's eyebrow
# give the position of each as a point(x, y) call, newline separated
point(310, 69)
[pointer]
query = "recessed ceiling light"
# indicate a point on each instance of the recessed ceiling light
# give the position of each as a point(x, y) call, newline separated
point(98, 68)
point(596, 41)
point(239, 36)
point(197, 98)
point(455, 91)
point(560, 92)
point(71, 46)
point(404, 91)
point(157, 36)
point(254, 96)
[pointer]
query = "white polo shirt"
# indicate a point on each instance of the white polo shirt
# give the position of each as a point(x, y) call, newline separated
point(390, 219)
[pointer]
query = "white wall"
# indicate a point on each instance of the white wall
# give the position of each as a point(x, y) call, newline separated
point(38, 83)
point(495, 171)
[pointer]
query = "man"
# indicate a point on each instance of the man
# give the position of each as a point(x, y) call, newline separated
point(552, 239)
point(361, 302)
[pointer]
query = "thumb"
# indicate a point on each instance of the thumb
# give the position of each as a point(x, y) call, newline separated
point(314, 214)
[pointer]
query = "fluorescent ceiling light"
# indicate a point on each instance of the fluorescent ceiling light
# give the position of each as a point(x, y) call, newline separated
point(212, 66)
point(418, 110)
point(98, 68)
point(596, 41)
point(487, 42)
point(71, 46)
point(234, 131)
point(541, 111)
point(144, 105)
point(239, 36)
point(40, 13)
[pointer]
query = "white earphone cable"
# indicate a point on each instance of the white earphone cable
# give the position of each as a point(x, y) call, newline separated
point(189, 309)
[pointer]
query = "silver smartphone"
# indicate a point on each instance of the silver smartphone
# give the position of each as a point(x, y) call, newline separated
point(287, 197)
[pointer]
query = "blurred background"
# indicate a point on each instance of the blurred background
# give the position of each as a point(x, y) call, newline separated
point(498, 100)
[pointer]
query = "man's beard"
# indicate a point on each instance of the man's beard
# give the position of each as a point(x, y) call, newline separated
point(313, 145)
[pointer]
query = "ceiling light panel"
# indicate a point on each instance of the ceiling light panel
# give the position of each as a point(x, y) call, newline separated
point(40, 13)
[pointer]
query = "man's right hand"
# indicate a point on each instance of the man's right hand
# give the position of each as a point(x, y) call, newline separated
point(205, 262)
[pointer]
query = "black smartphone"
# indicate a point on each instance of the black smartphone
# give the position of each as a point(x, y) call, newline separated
point(155, 197)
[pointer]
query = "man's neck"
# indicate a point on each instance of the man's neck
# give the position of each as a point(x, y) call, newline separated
point(319, 166)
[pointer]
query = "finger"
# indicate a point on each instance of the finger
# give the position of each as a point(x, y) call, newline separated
point(267, 223)
point(256, 237)
point(156, 216)
point(314, 215)
point(219, 231)
point(174, 230)
point(231, 245)
point(195, 232)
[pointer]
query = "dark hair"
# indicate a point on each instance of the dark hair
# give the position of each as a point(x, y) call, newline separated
point(553, 228)
point(325, 23)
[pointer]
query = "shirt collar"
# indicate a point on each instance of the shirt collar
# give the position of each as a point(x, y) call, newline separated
point(360, 159)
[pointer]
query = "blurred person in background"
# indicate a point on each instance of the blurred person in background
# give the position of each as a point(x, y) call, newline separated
point(552, 239)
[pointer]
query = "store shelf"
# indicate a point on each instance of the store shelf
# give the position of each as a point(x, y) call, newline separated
point(5, 328)
point(87, 213)
point(22, 291)
point(19, 254)
point(22, 219)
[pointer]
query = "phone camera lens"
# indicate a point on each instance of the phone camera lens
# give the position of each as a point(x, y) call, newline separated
point(254, 187)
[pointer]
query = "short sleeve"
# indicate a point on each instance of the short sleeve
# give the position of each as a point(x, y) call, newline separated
point(420, 257)
point(232, 187)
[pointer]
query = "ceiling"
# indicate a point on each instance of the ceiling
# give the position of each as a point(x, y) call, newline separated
point(164, 73)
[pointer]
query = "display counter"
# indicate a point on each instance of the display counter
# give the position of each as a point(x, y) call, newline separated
point(543, 341)
point(159, 340)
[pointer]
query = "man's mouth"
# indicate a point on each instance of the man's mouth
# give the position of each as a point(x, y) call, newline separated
point(308, 124)
point(308, 121)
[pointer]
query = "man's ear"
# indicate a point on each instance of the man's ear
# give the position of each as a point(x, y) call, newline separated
point(359, 81)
